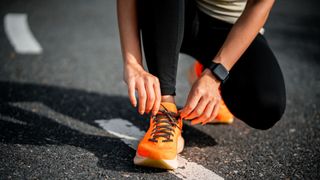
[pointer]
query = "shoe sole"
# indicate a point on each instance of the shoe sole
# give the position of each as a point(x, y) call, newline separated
point(229, 121)
point(160, 163)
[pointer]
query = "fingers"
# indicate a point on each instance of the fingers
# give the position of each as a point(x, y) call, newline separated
point(205, 115)
point(147, 87)
point(214, 113)
point(157, 101)
point(199, 109)
point(131, 92)
point(150, 96)
point(202, 100)
point(142, 97)
point(191, 103)
point(210, 113)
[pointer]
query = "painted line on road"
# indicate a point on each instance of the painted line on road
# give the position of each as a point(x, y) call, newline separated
point(123, 129)
point(46, 111)
point(131, 135)
point(19, 34)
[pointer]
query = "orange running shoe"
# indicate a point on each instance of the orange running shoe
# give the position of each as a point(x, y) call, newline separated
point(163, 141)
point(224, 116)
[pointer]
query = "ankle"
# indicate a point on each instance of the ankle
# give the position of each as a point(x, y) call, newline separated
point(167, 98)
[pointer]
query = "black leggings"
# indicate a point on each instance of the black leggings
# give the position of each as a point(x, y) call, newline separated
point(255, 90)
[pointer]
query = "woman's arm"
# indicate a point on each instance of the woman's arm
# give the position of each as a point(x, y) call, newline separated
point(135, 76)
point(129, 34)
point(244, 31)
point(204, 97)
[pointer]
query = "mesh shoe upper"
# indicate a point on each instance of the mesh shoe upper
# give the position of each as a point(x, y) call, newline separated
point(160, 141)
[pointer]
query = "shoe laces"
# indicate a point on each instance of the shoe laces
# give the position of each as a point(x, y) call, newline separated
point(164, 125)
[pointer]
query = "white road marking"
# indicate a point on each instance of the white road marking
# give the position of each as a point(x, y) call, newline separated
point(124, 130)
point(130, 135)
point(12, 120)
point(46, 111)
point(120, 128)
point(19, 34)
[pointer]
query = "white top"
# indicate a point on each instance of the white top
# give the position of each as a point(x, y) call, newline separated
point(225, 10)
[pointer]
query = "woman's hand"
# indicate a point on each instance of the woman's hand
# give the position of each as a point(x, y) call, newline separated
point(135, 76)
point(203, 100)
point(147, 86)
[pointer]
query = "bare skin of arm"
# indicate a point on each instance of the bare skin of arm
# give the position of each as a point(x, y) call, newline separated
point(203, 101)
point(137, 79)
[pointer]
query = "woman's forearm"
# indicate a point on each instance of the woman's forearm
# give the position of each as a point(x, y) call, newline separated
point(243, 32)
point(129, 33)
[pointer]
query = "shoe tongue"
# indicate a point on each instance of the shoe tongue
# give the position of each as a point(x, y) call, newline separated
point(171, 107)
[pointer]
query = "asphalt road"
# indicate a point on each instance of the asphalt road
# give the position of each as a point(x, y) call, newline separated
point(49, 102)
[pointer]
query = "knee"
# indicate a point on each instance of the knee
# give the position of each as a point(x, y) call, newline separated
point(266, 112)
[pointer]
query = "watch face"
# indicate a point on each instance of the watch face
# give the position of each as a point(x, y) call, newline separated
point(221, 71)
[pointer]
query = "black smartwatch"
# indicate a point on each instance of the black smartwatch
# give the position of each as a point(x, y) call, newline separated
point(219, 71)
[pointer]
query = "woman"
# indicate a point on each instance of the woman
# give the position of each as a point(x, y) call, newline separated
point(225, 36)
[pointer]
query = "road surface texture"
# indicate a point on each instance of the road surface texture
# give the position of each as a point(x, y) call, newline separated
point(50, 101)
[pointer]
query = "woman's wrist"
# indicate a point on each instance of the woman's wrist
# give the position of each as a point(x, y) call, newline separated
point(219, 59)
point(132, 64)
point(208, 73)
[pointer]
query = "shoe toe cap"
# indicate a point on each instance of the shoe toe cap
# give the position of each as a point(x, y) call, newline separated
point(155, 152)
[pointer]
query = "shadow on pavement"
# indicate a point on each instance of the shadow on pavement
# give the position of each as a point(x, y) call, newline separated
point(84, 106)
